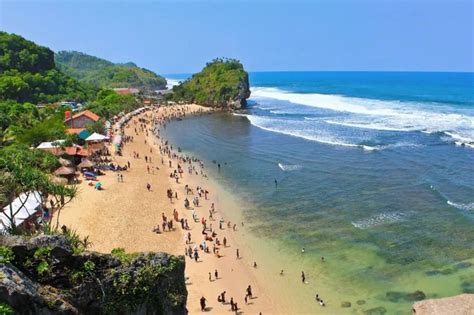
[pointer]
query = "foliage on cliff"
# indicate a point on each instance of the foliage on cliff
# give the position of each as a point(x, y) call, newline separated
point(28, 74)
point(47, 275)
point(222, 83)
point(103, 73)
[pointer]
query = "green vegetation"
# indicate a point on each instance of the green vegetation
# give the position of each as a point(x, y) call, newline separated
point(122, 255)
point(23, 171)
point(105, 74)
point(5, 309)
point(29, 74)
point(109, 103)
point(221, 82)
point(6, 255)
point(129, 291)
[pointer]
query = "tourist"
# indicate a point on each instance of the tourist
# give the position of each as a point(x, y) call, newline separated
point(203, 303)
point(303, 277)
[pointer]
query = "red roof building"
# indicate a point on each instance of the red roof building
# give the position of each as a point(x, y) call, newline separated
point(82, 119)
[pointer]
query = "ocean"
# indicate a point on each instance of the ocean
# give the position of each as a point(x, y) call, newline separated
point(374, 172)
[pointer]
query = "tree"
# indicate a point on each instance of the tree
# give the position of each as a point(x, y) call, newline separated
point(24, 173)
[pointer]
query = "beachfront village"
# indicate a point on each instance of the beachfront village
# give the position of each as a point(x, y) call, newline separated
point(100, 213)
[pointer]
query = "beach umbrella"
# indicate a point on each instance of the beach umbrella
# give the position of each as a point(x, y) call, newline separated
point(65, 162)
point(64, 171)
point(86, 164)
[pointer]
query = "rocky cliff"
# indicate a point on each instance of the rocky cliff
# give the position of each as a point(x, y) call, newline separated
point(222, 83)
point(46, 275)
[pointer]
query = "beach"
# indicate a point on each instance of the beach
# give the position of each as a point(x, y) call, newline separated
point(125, 213)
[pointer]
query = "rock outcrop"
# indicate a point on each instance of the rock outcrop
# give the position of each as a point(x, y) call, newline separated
point(45, 275)
point(221, 83)
point(462, 304)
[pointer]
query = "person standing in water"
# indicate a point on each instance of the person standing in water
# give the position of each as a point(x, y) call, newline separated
point(276, 183)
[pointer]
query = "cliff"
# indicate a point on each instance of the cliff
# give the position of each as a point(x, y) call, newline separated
point(222, 83)
point(46, 275)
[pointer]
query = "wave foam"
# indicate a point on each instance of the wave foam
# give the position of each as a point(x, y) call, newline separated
point(289, 168)
point(292, 129)
point(462, 206)
point(379, 219)
point(172, 82)
point(457, 124)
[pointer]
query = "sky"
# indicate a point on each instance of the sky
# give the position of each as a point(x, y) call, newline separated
point(180, 36)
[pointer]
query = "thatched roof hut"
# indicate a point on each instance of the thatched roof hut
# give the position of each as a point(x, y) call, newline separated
point(86, 164)
point(65, 162)
point(65, 171)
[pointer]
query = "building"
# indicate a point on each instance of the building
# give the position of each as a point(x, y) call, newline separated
point(23, 210)
point(126, 91)
point(82, 119)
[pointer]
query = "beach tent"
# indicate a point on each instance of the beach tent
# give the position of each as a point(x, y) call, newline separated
point(97, 137)
point(27, 204)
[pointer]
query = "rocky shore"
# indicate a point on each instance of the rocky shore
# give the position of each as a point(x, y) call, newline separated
point(462, 304)
point(49, 274)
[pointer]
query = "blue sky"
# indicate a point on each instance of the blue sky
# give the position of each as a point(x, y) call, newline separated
point(181, 36)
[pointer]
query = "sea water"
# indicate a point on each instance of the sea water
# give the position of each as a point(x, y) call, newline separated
point(374, 171)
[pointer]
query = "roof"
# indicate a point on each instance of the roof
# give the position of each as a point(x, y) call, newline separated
point(50, 144)
point(85, 164)
point(126, 90)
point(27, 203)
point(96, 137)
point(86, 113)
point(74, 131)
point(64, 170)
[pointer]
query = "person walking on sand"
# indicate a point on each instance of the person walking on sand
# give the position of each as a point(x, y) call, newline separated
point(303, 278)
point(249, 291)
point(148, 186)
point(203, 303)
point(237, 253)
point(216, 274)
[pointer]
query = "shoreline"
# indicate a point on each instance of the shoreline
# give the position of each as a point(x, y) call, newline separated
point(124, 215)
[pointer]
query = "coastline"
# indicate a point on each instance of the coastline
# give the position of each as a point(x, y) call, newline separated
point(124, 214)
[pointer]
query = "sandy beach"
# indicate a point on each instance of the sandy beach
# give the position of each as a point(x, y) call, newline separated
point(125, 213)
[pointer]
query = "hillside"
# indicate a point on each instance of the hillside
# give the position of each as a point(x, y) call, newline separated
point(28, 74)
point(222, 83)
point(103, 73)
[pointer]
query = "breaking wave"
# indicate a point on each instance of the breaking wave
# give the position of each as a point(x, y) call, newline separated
point(379, 219)
point(289, 168)
point(457, 125)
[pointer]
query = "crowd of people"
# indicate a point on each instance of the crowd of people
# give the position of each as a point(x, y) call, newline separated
point(162, 154)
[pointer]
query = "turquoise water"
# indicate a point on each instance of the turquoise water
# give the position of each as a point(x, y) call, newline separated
point(375, 172)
